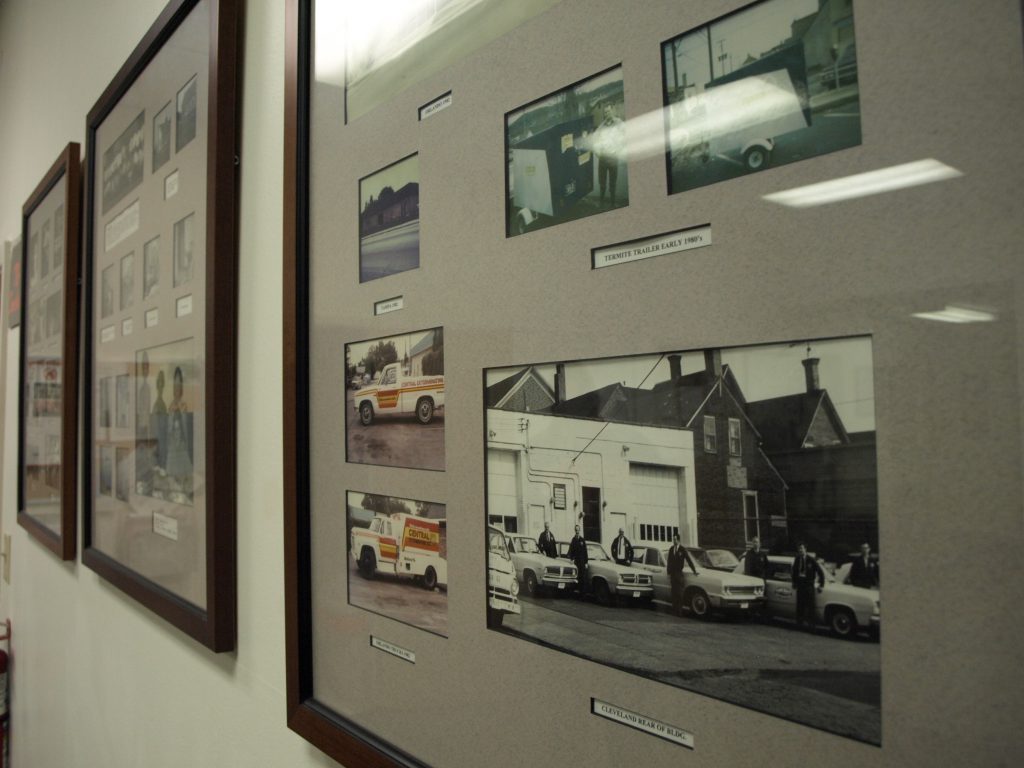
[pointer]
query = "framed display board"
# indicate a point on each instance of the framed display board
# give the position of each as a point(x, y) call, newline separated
point(630, 358)
point(48, 397)
point(161, 271)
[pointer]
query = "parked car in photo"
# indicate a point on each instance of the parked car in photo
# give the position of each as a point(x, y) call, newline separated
point(609, 581)
point(536, 571)
point(705, 591)
point(502, 586)
point(844, 609)
point(717, 559)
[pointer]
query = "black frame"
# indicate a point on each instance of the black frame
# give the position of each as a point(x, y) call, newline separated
point(67, 166)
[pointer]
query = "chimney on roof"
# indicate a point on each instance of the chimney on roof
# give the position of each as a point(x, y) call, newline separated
point(559, 383)
point(713, 362)
point(811, 373)
point(675, 367)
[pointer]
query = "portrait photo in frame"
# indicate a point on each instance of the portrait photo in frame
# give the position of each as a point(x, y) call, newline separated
point(159, 521)
point(48, 403)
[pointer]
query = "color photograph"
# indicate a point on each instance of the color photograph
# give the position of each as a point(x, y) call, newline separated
point(395, 404)
point(389, 220)
point(398, 559)
point(166, 387)
point(707, 519)
point(567, 155)
point(768, 85)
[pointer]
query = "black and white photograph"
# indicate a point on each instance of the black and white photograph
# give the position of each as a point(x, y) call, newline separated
point(165, 391)
point(185, 124)
point(58, 238)
point(123, 163)
point(707, 519)
point(394, 401)
point(107, 291)
point(768, 85)
point(389, 220)
point(47, 241)
point(567, 155)
point(106, 393)
point(123, 481)
point(398, 559)
point(54, 306)
point(150, 267)
point(127, 280)
point(184, 240)
point(122, 400)
point(162, 137)
point(106, 483)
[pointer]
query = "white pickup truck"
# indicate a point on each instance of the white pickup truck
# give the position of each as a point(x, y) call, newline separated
point(394, 393)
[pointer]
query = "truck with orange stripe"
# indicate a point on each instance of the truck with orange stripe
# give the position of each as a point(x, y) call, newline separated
point(394, 393)
point(403, 545)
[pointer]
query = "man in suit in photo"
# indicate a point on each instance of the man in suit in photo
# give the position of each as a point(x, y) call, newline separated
point(678, 558)
point(864, 570)
point(806, 573)
point(546, 542)
point(622, 550)
point(578, 555)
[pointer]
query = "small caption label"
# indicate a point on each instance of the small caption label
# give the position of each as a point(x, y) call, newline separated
point(673, 242)
point(394, 650)
point(642, 723)
point(431, 109)
point(389, 305)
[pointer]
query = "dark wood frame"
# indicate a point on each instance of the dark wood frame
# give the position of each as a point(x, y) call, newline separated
point(67, 166)
point(339, 737)
point(214, 627)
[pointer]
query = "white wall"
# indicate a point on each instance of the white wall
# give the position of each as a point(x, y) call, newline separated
point(97, 679)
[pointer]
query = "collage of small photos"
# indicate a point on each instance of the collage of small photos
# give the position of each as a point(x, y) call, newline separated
point(649, 480)
point(146, 381)
point(44, 326)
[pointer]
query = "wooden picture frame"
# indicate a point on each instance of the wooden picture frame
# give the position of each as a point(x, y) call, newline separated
point(48, 360)
point(164, 530)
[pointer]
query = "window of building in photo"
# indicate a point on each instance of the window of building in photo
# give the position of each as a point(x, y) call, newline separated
point(734, 437)
point(710, 435)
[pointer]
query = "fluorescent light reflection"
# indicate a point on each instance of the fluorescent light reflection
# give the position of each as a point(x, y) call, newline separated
point(958, 314)
point(863, 184)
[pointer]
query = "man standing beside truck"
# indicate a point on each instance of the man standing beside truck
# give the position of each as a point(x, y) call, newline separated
point(546, 542)
point(609, 142)
point(578, 555)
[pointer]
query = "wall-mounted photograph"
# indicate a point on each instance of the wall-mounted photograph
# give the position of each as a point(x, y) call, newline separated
point(768, 85)
point(127, 280)
point(123, 163)
point(150, 267)
point(162, 137)
point(389, 220)
point(567, 155)
point(185, 122)
point(395, 400)
point(398, 559)
point(165, 390)
point(727, 496)
point(184, 243)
